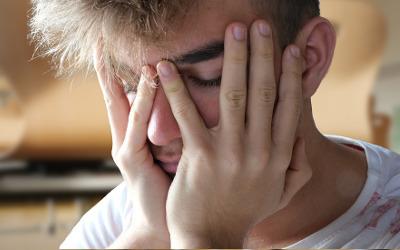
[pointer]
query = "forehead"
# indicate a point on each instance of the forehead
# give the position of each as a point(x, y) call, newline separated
point(204, 23)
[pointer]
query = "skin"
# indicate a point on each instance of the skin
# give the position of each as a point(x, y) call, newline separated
point(236, 154)
point(180, 119)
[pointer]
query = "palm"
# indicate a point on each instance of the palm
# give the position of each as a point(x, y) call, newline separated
point(151, 202)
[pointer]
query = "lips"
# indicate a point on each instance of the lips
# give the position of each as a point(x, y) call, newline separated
point(168, 157)
point(169, 167)
point(168, 163)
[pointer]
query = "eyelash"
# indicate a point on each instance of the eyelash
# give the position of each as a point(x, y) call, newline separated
point(212, 83)
point(206, 83)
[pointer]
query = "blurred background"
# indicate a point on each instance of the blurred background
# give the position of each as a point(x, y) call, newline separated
point(54, 139)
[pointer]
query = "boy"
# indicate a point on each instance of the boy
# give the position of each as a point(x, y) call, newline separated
point(209, 105)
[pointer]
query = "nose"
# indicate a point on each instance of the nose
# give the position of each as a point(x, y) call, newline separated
point(163, 128)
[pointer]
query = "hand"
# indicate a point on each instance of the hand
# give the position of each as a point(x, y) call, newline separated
point(147, 183)
point(249, 166)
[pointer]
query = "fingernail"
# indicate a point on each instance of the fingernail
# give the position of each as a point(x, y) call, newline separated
point(239, 33)
point(145, 72)
point(264, 29)
point(165, 69)
point(150, 76)
point(295, 51)
point(149, 72)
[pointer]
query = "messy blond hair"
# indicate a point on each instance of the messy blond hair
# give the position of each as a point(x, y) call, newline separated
point(67, 30)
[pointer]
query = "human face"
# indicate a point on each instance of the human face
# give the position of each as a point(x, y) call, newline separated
point(197, 49)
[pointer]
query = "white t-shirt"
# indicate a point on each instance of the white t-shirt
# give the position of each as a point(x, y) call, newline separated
point(372, 222)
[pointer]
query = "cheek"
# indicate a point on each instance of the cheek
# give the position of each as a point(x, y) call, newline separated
point(207, 103)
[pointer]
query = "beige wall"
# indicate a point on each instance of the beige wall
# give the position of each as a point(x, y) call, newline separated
point(387, 88)
point(63, 117)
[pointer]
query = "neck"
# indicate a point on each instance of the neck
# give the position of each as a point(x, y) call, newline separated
point(339, 174)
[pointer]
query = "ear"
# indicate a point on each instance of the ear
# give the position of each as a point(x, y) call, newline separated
point(317, 39)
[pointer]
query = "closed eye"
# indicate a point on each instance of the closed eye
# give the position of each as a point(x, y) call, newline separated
point(216, 82)
point(211, 83)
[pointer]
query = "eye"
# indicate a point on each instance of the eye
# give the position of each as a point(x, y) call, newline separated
point(216, 82)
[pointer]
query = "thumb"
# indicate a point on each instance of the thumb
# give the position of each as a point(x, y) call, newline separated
point(298, 173)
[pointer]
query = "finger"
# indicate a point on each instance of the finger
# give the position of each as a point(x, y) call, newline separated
point(190, 123)
point(262, 85)
point(234, 81)
point(115, 99)
point(289, 106)
point(298, 174)
point(136, 133)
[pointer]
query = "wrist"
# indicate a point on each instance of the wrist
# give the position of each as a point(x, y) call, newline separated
point(206, 241)
point(140, 238)
point(186, 241)
point(148, 228)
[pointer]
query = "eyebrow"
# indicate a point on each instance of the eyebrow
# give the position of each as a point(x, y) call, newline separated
point(209, 51)
point(204, 53)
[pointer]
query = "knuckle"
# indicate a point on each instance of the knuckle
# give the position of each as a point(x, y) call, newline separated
point(283, 156)
point(238, 58)
point(267, 95)
point(232, 167)
point(308, 173)
point(114, 154)
point(286, 159)
point(236, 98)
point(108, 102)
point(266, 54)
point(293, 73)
point(127, 161)
point(203, 149)
point(263, 159)
point(234, 155)
point(298, 110)
point(183, 168)
point(284, 203)
point(111, 100)
point(258, 163)
point(292, 97)
point(173, 87)
point(144, 92)
point(123, 160)
point(182, 109)
point(295, 105)
point(258, 154)
point(136, 118)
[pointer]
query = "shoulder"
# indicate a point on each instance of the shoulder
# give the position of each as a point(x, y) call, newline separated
point(386, 165)
point(383, 167)
point(103, 223)
point(383, 164)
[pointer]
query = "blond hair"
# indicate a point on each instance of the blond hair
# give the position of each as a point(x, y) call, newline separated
point(67, 30)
